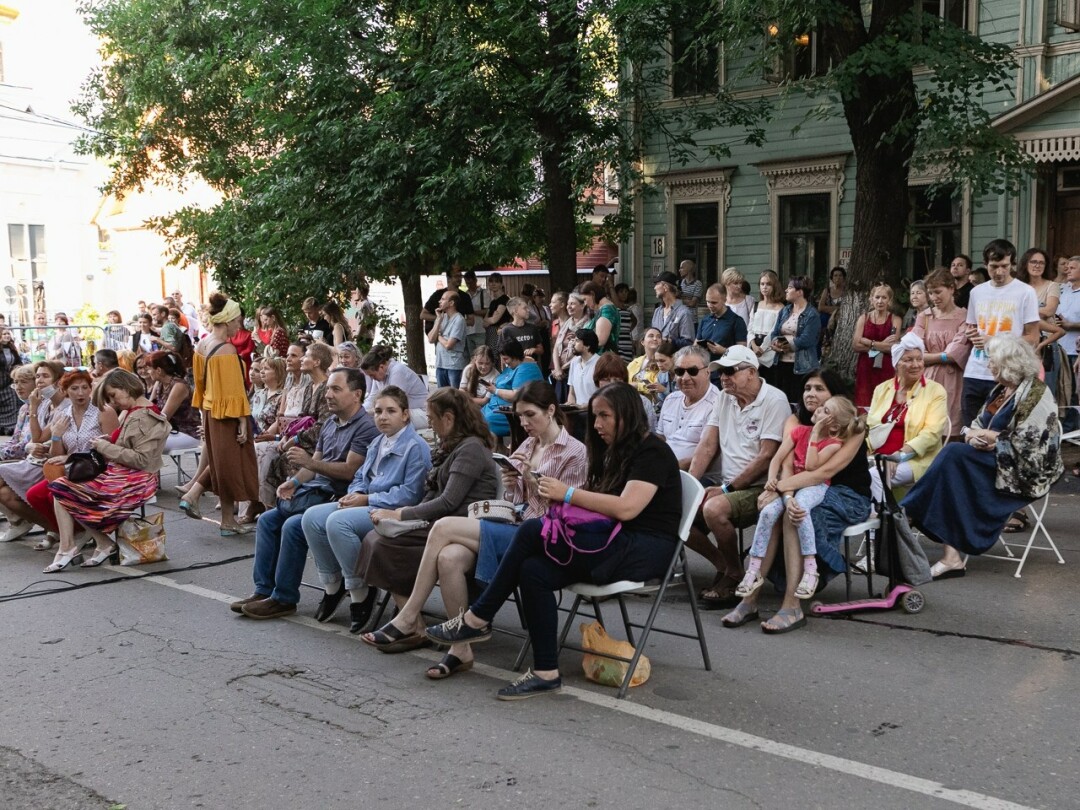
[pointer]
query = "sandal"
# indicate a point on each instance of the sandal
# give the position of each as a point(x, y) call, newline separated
point(784, 621)
point(750, 584)
point(743, 613)
point(1018, 522)
point(389, 639)
point(807, 585)
point(450, 665)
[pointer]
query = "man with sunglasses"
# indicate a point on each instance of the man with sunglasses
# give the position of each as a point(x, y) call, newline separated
point(746, 427)
point(686, 411)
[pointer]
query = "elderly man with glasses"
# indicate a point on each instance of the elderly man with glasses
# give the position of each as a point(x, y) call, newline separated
point(686, 411)
point(746, 428)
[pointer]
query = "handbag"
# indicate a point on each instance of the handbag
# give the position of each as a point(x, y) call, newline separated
point(396, 528)
point(498, 511)
point(84, 466)
point(879, 434)
point(298, 426)
point(568, 525)
point(142, 540)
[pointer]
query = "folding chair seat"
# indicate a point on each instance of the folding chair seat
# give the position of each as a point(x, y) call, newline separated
point(177, 457)
point(692, 494)
point(1037, 509)
point(864, 532)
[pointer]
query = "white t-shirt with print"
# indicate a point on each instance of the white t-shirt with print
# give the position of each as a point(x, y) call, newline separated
point(998, 311)
point(741, 430)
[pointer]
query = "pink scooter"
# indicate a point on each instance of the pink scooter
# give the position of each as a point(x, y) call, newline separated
point(896, 592)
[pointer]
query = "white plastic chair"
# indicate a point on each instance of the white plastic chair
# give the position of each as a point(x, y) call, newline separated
point(692, 494)
point(177, 458)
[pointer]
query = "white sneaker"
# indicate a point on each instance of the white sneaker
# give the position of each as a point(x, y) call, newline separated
point(16, 530)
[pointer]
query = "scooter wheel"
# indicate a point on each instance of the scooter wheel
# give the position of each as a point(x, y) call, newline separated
point(912, 602)
point(815, 608)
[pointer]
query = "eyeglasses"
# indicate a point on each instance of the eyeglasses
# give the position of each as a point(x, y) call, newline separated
point(728, 371)
point(692, 371)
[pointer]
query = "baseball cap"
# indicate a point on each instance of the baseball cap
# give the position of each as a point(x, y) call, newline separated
point(735, 356)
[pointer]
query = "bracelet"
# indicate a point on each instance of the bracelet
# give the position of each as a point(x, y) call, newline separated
point(569, 494)
point(944, 359)
point(295, 482)
point(57, 439)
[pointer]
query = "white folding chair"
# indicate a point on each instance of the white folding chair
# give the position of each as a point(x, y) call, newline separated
point(692, 494)
point(1038, 512)
point(177, 458)
point(865, 532)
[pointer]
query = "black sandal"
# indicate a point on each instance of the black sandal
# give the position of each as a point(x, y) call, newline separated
point(450, 665)
point(389, 639)
point(1021, 523)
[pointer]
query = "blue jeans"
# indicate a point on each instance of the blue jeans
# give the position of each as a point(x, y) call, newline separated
point(841, 507)
point(334, 536)
point(280, 556)
point(448, 377)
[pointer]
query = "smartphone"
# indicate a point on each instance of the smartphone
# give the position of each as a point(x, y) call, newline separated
point(535, 474)
point(504, 462)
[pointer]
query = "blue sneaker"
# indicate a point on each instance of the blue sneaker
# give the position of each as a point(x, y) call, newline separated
point(455, 631)
point(529, 685)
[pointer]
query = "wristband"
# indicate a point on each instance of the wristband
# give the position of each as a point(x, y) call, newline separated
point(57, 439)
point(295, 483)
point(944, 359)
point(569, 494)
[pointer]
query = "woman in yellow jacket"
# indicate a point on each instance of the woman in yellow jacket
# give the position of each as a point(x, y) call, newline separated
point(917, 410)
point(221, 396)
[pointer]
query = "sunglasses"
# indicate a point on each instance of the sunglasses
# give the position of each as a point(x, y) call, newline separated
point(728, 371)
point(693, 372)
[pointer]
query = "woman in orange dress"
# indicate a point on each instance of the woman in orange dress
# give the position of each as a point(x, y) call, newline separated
point(221, 397)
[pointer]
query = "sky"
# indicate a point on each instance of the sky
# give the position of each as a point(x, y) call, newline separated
point(48, 49)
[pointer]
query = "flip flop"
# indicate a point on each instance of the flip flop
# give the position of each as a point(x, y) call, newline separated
point(450, 665)
point(787, 622)
point(389, 639)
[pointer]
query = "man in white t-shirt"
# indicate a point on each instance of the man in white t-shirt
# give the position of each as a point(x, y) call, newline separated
point(686, 411)
point(746, 428)
point(580, 374)
point(1004, 306)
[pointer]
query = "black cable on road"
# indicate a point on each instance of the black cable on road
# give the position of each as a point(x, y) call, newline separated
point(25, 593)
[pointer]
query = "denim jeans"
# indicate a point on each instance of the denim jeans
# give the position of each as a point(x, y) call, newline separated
point(448, 377)
point(280, 556)
point(334, 536)
point(974, 397)
point(840, 508)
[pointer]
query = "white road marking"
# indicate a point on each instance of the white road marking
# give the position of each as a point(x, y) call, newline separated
point(805, 756)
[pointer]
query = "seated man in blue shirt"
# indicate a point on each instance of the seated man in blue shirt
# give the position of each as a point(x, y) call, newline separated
point(280, 548)
point(721, 330)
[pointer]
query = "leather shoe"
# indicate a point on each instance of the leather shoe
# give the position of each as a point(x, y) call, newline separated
point(529, 685)
point(360, 612)
point(328, 604)
point(267, 609)
point(238, 605)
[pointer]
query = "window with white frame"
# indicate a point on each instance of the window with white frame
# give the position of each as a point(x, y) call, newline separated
point(804, 203)
point(698, 203)
point(1068, 14)
point(798, 56)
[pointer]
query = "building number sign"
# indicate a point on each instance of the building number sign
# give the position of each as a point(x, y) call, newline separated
point(657, 247)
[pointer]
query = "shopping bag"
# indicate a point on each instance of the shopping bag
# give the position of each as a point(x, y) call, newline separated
point(142, 540)
point(608, 671)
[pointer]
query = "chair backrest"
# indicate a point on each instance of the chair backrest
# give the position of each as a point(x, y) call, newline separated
point(692, 495)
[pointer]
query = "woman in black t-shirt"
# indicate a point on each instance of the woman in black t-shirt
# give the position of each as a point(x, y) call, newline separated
point(633, 478)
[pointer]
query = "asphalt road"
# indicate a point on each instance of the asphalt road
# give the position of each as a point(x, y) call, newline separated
point(149, 693)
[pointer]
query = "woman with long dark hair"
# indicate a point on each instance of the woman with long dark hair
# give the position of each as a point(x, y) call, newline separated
point(633, 478)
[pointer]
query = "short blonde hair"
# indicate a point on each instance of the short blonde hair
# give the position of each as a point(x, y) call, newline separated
point(731, 276)
point(883, 286)
point(125, 358)
point(22, 374)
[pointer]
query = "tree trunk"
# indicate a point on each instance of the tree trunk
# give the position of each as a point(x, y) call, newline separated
point(560, 222)
point(415, 339)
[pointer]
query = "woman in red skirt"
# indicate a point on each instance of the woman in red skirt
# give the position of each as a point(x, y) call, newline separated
point(133, 453)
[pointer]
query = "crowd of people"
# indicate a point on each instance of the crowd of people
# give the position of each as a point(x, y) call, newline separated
point(357, 460)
